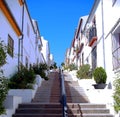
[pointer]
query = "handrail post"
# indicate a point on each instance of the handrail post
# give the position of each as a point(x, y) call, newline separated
point(63, 94)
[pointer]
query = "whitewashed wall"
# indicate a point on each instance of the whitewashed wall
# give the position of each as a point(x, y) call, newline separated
point(111, 16)
point(28, 39)
point(16, 10)
point(6, 29)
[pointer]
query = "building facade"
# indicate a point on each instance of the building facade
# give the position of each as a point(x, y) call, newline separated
point(21, 35)
point(98, 38)
point(46, 51)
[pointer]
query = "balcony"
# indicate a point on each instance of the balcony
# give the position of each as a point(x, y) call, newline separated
point(92, 36)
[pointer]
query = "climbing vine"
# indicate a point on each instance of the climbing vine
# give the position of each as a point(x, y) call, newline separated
point(116, 94)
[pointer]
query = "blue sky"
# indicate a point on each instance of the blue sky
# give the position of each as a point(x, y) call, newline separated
point(57, 21)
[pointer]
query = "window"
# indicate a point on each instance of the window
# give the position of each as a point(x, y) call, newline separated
point(10, 46)
point(28, 30)
point(94, 57)
point(26, 62)
point(116, 50)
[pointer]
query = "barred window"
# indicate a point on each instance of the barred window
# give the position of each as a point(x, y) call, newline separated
point(28, 30)
point(116, 50)
point(10, 46)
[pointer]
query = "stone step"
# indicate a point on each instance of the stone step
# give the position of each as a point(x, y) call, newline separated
point(39, 105)
point(41, 100)
point(97, 115)
point(95, 110)
point(85, 105)
point(87, 110)
point(44, 111)
point(42, 93)
point(37, 115)
point(39, 110)
point(45, 115)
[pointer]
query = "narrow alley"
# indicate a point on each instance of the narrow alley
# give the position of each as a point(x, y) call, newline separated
point(46, 102)
point(82, 37)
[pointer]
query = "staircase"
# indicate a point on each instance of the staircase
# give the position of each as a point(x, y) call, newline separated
point(44, 91)
point(55, 89)
point(46, 102)
point(79, 106)
point(47, 98)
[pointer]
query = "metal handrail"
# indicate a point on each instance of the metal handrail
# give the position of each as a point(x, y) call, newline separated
point(63, 95)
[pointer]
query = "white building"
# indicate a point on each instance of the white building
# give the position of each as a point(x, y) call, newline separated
point(75, 54)
point(104, 38)
point(21, 34)
point(10, 32)
point(46, 51)
point(99, 41)
point(38, 43)
point(51, 59)
point(98, 38)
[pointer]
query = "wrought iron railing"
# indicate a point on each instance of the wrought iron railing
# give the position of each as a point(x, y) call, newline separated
point(92, 33)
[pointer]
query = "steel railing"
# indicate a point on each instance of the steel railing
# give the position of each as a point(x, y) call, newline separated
point(63, 94)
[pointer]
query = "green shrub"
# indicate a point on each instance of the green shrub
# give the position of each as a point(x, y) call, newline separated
point(3, 53)
point(3, 92)
point(100, 75)
point(116, 94)
point(72, 67)
point(40, 69)
point(3, 80)
point(24, 79)
point(66, 67)
point(84, 72)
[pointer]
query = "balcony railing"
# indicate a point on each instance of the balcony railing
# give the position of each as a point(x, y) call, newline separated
point(92, 34)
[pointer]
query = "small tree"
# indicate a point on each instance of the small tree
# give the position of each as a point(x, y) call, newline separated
point(55, 65)
point(62, 64)
point(3, 80)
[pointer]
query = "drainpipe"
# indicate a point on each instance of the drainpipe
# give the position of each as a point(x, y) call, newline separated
point(103, 38)
point(20, 42)
point(19, 39)
point(22, 31)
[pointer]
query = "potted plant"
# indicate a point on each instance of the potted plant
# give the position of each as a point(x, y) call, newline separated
point(100, 78)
